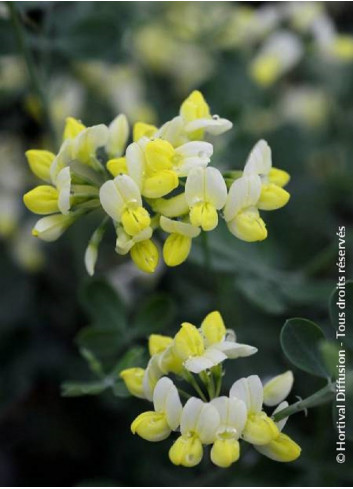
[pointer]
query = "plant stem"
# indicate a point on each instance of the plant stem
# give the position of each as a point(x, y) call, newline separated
point(190, 378)
point(322, 396)
point(32, 72)
point(184, 394)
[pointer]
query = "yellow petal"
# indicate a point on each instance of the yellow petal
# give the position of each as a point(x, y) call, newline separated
point(170, 361)
point(142, 129)
point(176, 249)
point(133, 379)
point(281, 449)
point(186, 451)
point(135, 220)
point(159, 154)
point(213, 328)
point(158, 343)
point(151, 426)
point(204, 215)
point(42, 200)
point(73, 127)
point(225, 452)
point(272, 197)
point(278, 177)
point(39, 162)
point(195, 107)
point(116, 166)
point(145, 255)
point(260, 429)
point(160, 184)
point(188, 342)
point(248, 226)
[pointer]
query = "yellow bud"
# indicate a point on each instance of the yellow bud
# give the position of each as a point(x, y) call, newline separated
point(116, 166)
point(160, 184)
point(278, 388)
point(142, 129)
point(170, 362)
point(265, 70)
point(248, 226)
point(39, 162)
point(145, 255)
point(272, 197)
point(204, 215)
point(158, 343)
point(278, 177)
point(42, 199)
point(135, 220)
point(188, 342)
point(225, 452)
point(159, 155)
point(133, 379)
point(195, 107)
point(176, 249)
point(174, 207)
point(281, 449)
point(260, 429)
point(186, 451)
point(151, 426)
point(213, 328)
point(73, 127)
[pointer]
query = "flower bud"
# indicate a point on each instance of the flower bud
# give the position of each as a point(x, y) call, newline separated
point(133, 379)
point(186, 451)
point(278, 388)
point(42, 199)
point(151, 426)
point(39, 162)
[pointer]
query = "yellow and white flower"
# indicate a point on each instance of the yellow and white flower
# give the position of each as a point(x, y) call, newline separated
point(121, 199)
point(197, 117)
point(259, 162)
point(282, 448)
point(233, 415)
point(205, 193)
point(259, 428)
point(156, 165)
point(118, 136)
point(241, 213)
point(198, 426)
point(143, 251)
point(177, 246)
point(278, 388)
point(158, 424)
point(210, 345)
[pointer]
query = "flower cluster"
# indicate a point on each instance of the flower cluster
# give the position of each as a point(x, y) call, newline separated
point(209, 419)
point(162, 181)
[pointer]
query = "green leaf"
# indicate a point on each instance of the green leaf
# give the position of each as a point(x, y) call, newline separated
point(264, 293)
point(329, 353)
point(76, 389)
point(93, 362)
point(102, 342)
point(103, 304)
point(300, 341)
point(155, 314)
point(347, 310)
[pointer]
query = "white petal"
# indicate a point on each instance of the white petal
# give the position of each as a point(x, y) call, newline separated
point(90, 259)
point(215, 187)
point(118, 136)
point(135, 161)
point(92, 138)
point(214, 126)
point(128, 189)
point(244, 192)
point(166, 400)
point(63, 183)
point(259, 160)
point(233, 414)
point(235, 350)
point(125, 242)
point(208, 423)
point(178, 227)
point(111, 200)
point(152, 374)
point(200, 418)
point(195, 186)
point(250, 391)
point(193, 154)
point(278, 388)
point(198, 364)
point(281, 424)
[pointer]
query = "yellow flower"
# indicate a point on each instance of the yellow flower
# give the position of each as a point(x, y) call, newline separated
point(145, 255)
point(40, 162)
point(133, 379)
point(158, 343)
point(177, 246)
point(73, 128)
point(42, 199)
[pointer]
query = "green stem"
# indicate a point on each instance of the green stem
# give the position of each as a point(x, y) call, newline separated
point(322, 396)
point(189, 378)
point(32, 72)
point(184, 394)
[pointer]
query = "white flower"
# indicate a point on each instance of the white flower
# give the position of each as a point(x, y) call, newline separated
point(118, 136)
point(278, 388)
point(205, 193)
point(50, 228)
point(198, 426)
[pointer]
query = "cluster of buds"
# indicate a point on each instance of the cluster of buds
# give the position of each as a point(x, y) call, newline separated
point(194, 357)
point(162, 181)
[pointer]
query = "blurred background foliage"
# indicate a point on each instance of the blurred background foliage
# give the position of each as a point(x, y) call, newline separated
point(97, 59)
